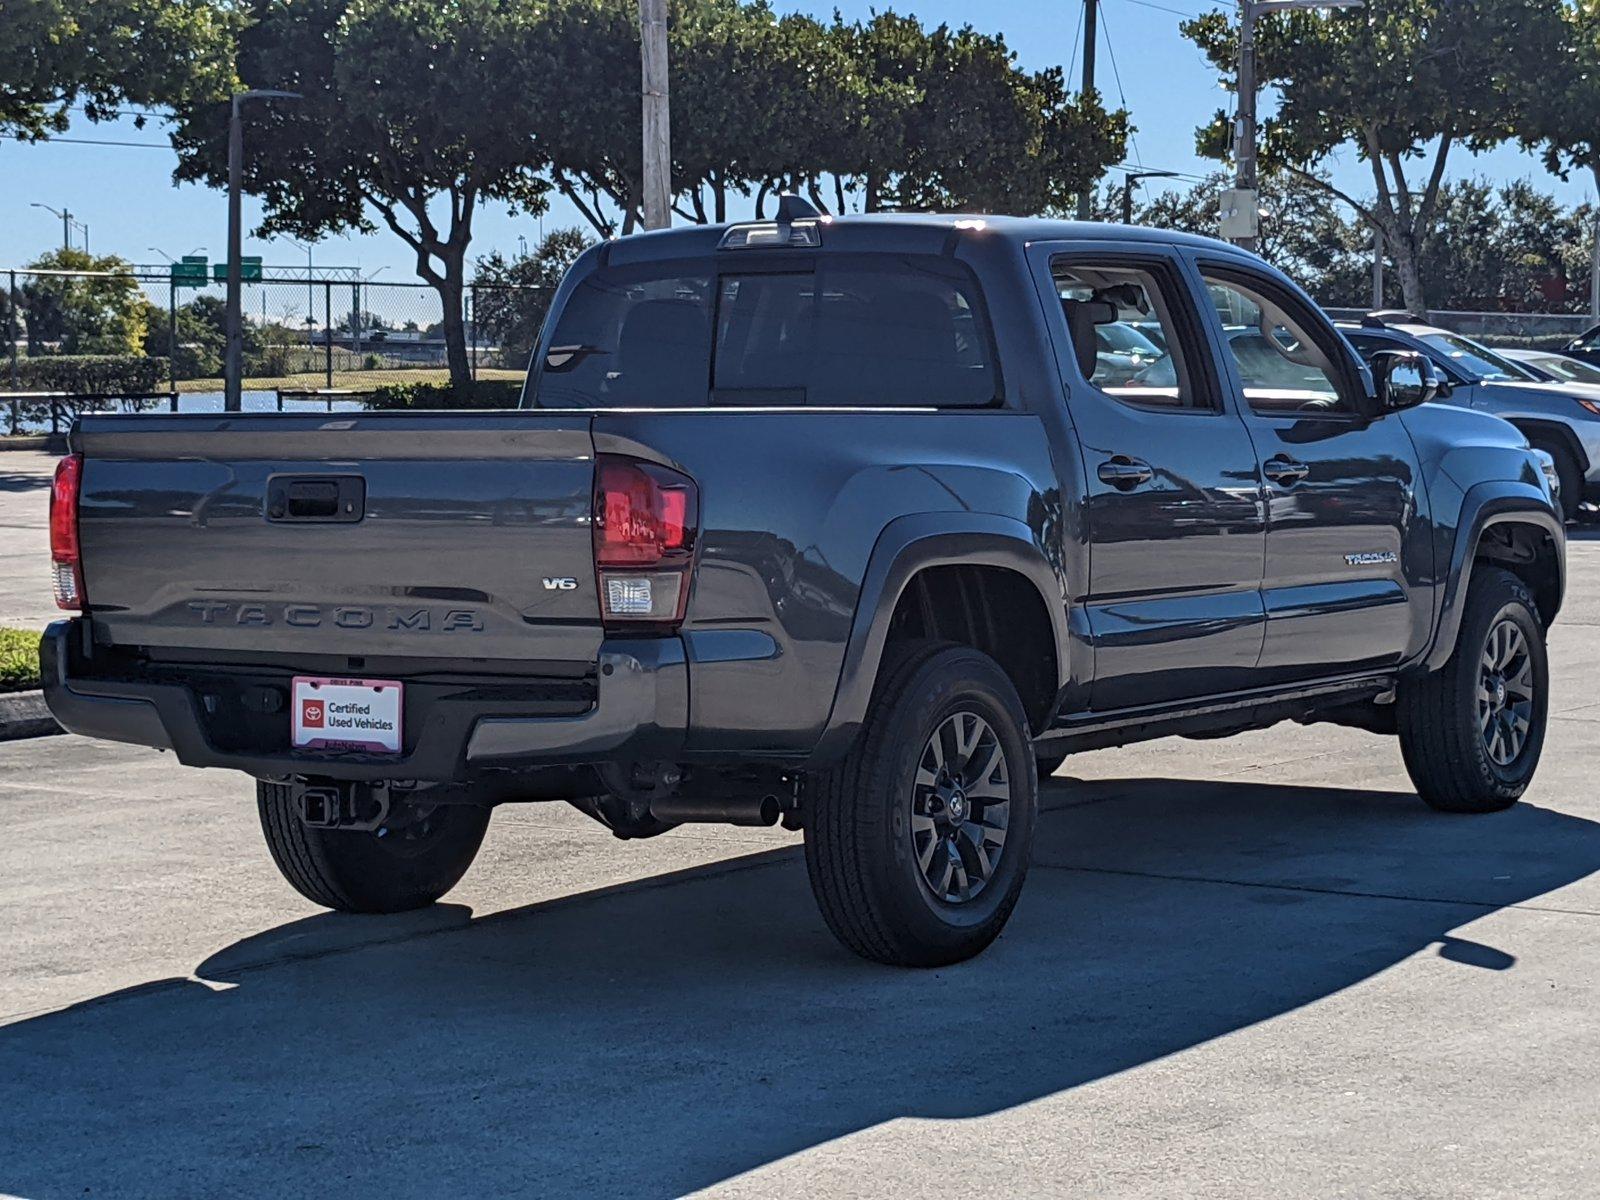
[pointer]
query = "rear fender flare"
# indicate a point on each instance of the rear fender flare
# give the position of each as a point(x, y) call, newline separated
point(910, 544)
point(1487, 504)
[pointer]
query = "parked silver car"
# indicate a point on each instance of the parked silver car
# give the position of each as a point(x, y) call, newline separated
point(1562, 419)
point(1552, 366)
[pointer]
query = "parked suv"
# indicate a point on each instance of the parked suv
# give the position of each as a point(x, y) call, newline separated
point(1585, 346)
point(847, 523)
point(1562, 419)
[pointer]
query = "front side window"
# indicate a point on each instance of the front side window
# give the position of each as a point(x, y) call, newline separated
point(1122, 323)
point(855, 331)
point(1283, 367)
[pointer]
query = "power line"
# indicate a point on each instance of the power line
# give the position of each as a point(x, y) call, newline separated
point(1184, 175)
point(1122, 96)
point(1177, 12)
point(86, 142)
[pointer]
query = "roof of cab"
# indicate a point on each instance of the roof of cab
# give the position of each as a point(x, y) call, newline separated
point(908, 232)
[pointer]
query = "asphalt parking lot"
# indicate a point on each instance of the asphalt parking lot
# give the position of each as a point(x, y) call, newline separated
point(1251, 967)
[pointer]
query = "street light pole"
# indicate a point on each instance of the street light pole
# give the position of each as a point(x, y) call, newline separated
point(657, 114)
point(66, 223)
point(234, 361)
point(1133, 177)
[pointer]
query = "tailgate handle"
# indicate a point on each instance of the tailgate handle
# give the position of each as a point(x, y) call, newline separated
point(335, 498)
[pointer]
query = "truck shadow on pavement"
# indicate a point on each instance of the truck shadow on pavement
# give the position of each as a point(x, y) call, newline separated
point(663, 1036)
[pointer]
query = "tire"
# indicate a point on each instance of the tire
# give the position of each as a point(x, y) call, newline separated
point(1567, 471)
point(406, 865)
point(879, 831)
point(1449, 744)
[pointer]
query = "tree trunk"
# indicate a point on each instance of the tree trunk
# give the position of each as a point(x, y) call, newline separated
point(1402, 247)
point(451, 289)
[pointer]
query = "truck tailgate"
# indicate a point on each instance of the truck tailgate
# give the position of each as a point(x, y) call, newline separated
point(428, 535)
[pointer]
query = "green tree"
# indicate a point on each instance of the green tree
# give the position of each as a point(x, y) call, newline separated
point(1509, 247)
point(1400, 81)
point(59, 54)
point(415, 111)
point(1303, 231)
point(881, 114)
point(945, 119)
point(101, 313)
point(512, 296)
point(1563, 103)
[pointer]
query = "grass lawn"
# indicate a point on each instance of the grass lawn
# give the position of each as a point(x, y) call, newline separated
point(19, 660)
point(354, 380)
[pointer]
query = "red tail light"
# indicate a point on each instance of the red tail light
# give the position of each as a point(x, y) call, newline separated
point(67, 566)
point(646, 517)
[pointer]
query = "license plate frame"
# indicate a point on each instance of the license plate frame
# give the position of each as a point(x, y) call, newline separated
point(333, 713)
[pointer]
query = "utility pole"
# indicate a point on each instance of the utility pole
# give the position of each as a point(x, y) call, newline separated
point(233, 365)
point(1091, 35)
point(657, 119)
point(1594, 275)
point(1245, 210)
point(1245, 146)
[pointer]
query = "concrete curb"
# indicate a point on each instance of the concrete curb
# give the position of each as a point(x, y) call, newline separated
point(24, 715)
point(54, 443)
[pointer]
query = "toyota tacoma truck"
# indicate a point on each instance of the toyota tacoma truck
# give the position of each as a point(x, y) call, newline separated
point(852, 524)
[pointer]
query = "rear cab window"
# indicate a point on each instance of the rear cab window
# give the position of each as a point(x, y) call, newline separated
point(834, 330)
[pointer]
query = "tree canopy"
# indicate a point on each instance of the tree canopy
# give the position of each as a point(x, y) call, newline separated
point(413, 110)
point(1563, 99)
point(1400, 81)
point(56, 55)
point(102, 311)
point(876, 114)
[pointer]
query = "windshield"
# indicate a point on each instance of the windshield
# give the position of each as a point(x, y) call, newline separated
point(1475, 361)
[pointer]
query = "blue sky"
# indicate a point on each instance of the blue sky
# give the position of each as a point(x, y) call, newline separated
point(127, 197)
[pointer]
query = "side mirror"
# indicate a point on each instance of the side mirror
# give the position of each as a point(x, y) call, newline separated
point(1405, 379)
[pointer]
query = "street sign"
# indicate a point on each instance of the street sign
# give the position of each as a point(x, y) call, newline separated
point(249, 269)
point(189, 271)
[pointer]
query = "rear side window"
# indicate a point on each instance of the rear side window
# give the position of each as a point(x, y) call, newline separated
point(631, 339)
point(854, 331)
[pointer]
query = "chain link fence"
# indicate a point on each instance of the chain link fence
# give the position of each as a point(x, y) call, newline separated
point(92, 341)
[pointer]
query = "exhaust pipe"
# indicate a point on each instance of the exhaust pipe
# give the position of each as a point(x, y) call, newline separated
point(716, 810)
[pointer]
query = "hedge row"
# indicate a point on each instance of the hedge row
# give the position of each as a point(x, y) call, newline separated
point(19, 660)
point(108, 374)
point(488, 393)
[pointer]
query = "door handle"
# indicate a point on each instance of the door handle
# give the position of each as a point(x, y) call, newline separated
point(1125, 473)
point(1284, 471)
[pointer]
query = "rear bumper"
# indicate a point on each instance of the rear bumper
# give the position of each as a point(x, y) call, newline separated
point(640, 712)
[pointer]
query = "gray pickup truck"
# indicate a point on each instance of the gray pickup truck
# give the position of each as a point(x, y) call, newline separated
point(850, 523)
